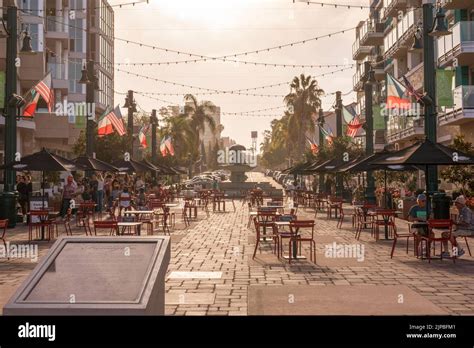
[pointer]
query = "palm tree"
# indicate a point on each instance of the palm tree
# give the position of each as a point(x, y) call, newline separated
point(200, 115)
point(179, 129)
point(304, 99)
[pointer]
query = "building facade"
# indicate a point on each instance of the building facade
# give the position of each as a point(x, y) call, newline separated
point(387, 40)
point(58, 30)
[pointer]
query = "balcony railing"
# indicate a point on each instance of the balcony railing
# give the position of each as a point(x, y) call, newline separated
point(404, 128)
point(401, 29)
point(456, 4)
point(461, 40)
point(358, 51)
point(463, 109)
point(57, 24)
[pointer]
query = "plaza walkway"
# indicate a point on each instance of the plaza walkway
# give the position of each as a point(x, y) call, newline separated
point(212, 273)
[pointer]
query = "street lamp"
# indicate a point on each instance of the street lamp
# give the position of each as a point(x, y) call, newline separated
point(321, 145)
point(89, 78)
point(369, 83)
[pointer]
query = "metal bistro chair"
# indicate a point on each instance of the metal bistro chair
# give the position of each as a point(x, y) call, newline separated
point(297, 237)
point(431, 239)
point(4, 225)
point(112, 226)
point(262, 222)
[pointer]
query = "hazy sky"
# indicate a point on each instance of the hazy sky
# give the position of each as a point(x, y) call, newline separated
point(223, 27)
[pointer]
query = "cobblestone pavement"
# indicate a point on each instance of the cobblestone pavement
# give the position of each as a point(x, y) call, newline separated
point(223, 245)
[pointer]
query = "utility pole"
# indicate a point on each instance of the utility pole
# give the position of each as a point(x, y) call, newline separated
point(90, 91)
point(431, 117)
point(321, 145)
point(339, 180)
point(369, 131)
point(130, 120)
point(154, 124)
point(9, 196)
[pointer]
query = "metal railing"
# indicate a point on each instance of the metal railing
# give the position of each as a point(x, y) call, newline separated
point(462, 33)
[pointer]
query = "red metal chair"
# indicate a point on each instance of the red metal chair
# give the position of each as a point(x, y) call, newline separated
point(408, 235)
point(262, 222)
point(110, 225)
point(431, 239)
point(4, 225)
point(298, 238)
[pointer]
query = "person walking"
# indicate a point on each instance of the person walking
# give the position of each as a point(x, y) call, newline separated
point(69, 192)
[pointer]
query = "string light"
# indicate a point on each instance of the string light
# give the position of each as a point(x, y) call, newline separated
point(274, 65)
point(84, 8)
point(141, 44)
point(216, 91)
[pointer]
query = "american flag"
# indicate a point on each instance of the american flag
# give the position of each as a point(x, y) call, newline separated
point(353, 127)
point(411, 90)
point(45, 89)
point(115, 116)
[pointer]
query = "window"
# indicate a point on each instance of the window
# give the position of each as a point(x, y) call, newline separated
point(75, 71)
point(76, 35)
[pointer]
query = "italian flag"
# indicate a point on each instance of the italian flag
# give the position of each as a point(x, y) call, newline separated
point(104, 126)
point(31, 104)
point(142, 136)
point(397, 97)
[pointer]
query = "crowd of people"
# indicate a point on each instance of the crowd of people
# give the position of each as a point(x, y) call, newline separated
point(102, 189)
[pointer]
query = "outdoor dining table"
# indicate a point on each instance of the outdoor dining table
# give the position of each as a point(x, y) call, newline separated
point(51, 214)
point(171, 205)
point(279, 224)
point(136, 225)
point(385, 218)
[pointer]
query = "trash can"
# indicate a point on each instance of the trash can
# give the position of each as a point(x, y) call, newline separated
point(8, 207)
point(441, 205)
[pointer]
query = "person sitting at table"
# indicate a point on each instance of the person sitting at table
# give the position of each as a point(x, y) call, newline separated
point(125, 200)
point(464, 226)
point(417, 215)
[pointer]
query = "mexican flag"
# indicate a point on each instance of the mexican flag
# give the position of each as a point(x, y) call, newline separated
point(397, 96)
point(31, 104)
point(104, 126)
point(328, 134)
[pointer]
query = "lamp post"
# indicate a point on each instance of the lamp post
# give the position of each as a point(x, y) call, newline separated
point(321, 145)
point(154, 125)
point(369, 81)
point(131, 105)
point(431, 28)
point(9, 195)
point(339, 179)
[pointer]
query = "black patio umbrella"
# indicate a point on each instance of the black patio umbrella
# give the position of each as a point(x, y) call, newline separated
point(425, 154)
point(298, 168)
point(43, 161)
point(365, 163)
point(132, 166)
point(157, 169)
point(329, 166)
point(94, 164)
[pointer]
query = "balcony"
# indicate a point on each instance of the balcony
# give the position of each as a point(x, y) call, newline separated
point(404, 129)
point(463, 110)
point(459, 45)
point(371, 34)
point(455, 4)
point(357, 81)
point(397, 40)
point(391, 7)
point(359, 52)
point(57, 28)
